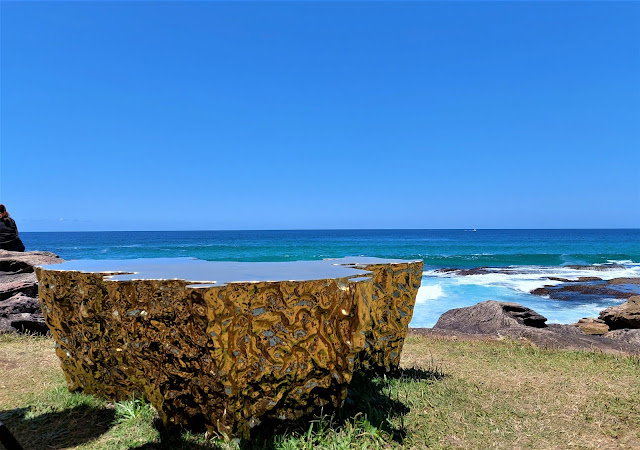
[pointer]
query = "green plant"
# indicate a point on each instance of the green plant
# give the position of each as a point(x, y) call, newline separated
point(134, 409)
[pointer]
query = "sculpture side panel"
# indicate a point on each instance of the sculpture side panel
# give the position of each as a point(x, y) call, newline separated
point(104, 331)
point(395, 287)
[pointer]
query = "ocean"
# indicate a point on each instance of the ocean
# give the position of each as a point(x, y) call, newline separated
point(525, 258)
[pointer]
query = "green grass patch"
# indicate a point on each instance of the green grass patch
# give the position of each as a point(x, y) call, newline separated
point(449, 394)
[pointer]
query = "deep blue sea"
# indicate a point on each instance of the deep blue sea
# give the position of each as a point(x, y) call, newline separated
point(534, 255)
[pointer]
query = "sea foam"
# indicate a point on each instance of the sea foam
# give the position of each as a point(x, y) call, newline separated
point(429, 293)
point(527, 278)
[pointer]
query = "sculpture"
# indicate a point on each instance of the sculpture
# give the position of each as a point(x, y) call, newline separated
point(227, 344)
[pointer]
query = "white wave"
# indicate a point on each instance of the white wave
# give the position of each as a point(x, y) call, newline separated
point(429, 293)
point(572, 314)
point(517, 282)
point(528, 278)
point(623, 262)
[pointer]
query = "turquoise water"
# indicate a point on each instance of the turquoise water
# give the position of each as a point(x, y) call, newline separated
point(438, 248)
point(533, 254)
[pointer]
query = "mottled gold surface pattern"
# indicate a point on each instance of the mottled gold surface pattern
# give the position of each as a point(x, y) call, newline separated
point(395, 287)
point(227, 357)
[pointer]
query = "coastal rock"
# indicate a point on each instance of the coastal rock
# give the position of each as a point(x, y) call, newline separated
point(494, 320)
point(490, 317)
point(19, 303)
point(19, 262)
point(624, 280)
point(21, 313)
point(578, 280)
point(24, 322)
point(600, 268)
point(473, 271)
point(625, 335)
point(591, 325)
point(19, 284)
point(599, 289)
point(626, 315)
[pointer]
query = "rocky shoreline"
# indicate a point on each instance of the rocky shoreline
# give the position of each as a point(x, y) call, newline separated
point(617, 329)
point(492, 320)
point(19, 303)
point(594, 286)
point(614, 325)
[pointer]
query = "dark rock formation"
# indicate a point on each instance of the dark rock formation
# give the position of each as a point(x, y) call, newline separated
point(23, 262)
point(490, 317)
point(626, 315)
point(473, 271)
point(493, 319)
point(20, 283)
point(599, 289)
point(601, 268)
point(19, 304)
point(624, 281)
point(579, 280)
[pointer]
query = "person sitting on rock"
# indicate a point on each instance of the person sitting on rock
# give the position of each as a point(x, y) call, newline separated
point(9, 237)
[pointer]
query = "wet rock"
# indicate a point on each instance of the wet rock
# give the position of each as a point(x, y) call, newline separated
point(466, 272)
point(543, 291)
point(601, 268)
point(599, 289)
point(625, 280)
point(626, 315)
point(474, 271)
point(578, 280)
point(446, 270)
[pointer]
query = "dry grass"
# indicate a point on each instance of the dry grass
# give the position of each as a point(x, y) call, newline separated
point(451, 394)
point(26, 366)
point(514, 395)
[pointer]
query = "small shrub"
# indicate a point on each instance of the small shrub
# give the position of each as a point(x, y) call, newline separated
point(133, 410)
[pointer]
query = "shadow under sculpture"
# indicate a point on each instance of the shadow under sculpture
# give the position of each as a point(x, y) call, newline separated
point(227, 344)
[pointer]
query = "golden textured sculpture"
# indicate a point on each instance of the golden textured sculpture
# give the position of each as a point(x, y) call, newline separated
point(394, 295)
point(231, 351)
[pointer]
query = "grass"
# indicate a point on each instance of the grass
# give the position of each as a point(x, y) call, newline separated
point(449, 394)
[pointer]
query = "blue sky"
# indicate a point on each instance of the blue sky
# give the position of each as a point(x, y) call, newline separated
point(294, 115)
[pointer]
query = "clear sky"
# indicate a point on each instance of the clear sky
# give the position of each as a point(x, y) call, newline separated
point(293, 115)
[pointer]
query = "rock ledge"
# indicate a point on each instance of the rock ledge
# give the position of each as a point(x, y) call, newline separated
point(492, 319)
point(19, 304)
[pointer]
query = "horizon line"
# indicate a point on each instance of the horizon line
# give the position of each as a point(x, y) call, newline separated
point(333, 229)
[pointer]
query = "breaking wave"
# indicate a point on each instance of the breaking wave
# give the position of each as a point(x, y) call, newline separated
point(527, 278)
point(429, 293)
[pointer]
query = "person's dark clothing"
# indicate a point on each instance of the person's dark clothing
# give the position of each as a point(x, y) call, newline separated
point(9, 238)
